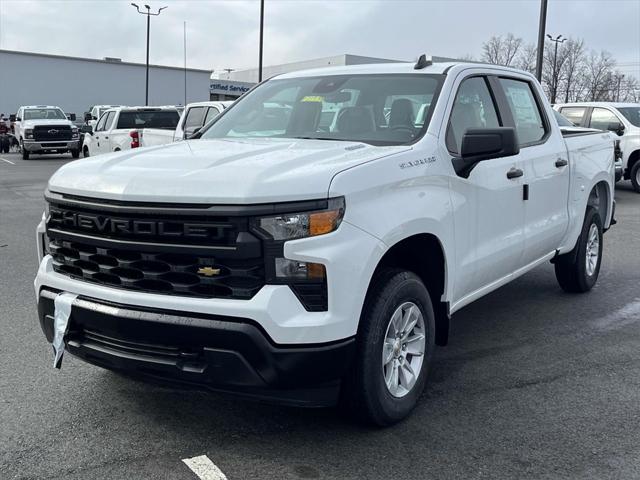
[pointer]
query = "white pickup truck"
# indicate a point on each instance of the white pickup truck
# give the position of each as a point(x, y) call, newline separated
point(124, 128)
point(44, 129)
point(621, 118)
point(313, 253)
point(197, 115)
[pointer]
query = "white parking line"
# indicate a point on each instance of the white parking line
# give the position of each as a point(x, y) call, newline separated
point(8, 161)
point(204, 468)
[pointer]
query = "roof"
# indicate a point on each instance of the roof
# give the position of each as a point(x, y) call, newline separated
point(96, 60)
point(41, 106)
point(210, 103)
point(380, 68)
point(598, 104)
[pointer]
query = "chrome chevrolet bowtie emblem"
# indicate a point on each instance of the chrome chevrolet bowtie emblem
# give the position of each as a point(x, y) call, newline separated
point(53, 131)
point(208, 271)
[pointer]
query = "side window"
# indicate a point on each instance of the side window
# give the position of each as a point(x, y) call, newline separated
point(101, 122)
point(211, 114)
point(473, 107)
point(525, 110)
point(195, 115)
point(109, 121)
point(601, 118)
point(574, 115)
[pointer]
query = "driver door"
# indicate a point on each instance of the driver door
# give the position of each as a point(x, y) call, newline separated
point(488, 207)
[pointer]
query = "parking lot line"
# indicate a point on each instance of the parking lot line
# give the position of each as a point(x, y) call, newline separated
point(204, 468)
point(8, 161)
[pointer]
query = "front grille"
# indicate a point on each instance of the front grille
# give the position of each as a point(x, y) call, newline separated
point(179, 251)
point(44, 133)
point(167, 273)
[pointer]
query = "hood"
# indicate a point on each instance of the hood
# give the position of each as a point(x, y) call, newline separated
point(217, 171)
point(44, 121)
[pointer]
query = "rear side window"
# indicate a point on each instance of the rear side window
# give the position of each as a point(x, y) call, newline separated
point(574, 114)
point(109, 120)
point(195, 117)
point(472, 108)
point(100, 124)
point(525, 110)
point(167, 119)
point(601, 118)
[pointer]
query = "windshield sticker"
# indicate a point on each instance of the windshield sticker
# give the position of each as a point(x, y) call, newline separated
point(313, 98)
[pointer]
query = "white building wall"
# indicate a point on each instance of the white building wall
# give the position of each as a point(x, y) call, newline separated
point(74, 84)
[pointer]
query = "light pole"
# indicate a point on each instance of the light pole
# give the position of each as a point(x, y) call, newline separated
point(555, 75)
point(541, 29)
point(149, 14)
point(261, 36)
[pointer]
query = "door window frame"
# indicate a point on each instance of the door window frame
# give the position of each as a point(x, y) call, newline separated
point(592, 108)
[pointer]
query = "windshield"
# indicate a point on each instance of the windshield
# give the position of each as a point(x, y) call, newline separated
point(562, 120)
point(44, 113)
point(389, 109)
point(632, 114)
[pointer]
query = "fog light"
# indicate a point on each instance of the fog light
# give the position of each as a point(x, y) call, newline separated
point(295, 269)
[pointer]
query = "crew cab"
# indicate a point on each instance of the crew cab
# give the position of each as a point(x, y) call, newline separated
point(621, 118)
point(43, 129)
point(311, 262)
point(196, 115)
point(124, 128)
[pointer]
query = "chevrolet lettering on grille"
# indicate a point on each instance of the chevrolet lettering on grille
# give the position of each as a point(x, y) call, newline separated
point(127, 226)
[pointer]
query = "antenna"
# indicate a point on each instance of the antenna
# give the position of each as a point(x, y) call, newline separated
point(423, 62)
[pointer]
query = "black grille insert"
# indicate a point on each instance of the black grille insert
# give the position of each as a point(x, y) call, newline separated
point(179, 274)
point(47, 133)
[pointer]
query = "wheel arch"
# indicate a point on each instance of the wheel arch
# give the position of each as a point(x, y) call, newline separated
point(424, 255)
point(631, 161)
point(600, 198)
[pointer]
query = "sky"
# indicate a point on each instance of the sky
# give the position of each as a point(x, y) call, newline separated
point(224, 34)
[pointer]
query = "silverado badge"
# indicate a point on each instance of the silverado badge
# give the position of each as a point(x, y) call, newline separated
point(208, 271)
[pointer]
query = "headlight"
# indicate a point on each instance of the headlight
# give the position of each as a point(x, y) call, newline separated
point(28, 133)
point(74, 132)
point(308, 224)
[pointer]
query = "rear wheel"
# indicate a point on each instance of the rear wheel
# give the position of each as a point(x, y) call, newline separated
point(394, 347)
point(635, 176)
point(577, 271)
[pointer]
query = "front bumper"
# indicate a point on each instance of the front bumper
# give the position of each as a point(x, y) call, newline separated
point(31, 146)
point(203, 351)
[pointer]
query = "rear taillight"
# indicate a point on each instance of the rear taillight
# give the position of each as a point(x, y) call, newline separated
point(135, 139)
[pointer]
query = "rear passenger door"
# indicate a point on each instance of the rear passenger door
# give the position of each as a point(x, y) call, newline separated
point(489, 212)
point(546, 168)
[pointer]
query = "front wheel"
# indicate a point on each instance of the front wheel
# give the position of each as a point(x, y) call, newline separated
point(75, 153)
point(635, 176)
point(394, 347)
point(85, 152)
point(25, 153)
point(577, 271)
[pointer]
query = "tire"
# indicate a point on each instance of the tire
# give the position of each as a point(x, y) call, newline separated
point(25, 153)
point(365, 393)
point(574, 272)
point(75, 153)
point(635, 176)
point(85, 152)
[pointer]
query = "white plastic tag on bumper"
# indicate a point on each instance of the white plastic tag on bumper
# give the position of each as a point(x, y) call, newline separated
point(61, 315)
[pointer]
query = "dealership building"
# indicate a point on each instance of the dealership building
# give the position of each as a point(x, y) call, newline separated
point(75, 84)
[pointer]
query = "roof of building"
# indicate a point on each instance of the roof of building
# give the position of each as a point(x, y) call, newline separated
point(107, 60)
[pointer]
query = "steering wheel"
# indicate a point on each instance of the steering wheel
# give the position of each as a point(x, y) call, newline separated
point(406, 128)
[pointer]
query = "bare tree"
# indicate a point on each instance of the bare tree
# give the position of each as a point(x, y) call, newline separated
point(527, 59)
point(553, 68)
point(599, 76)
point(501, 51)
point(573, 67)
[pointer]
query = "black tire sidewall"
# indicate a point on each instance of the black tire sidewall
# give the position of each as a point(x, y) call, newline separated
point(398, 289)
point(588, 281)
point(634, 176)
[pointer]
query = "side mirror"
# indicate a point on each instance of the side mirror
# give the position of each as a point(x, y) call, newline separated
point(72, 117)
point(87, 129)
point(12, 117)
point(480, 144)
point(87, 116)
point(190, 132)
point(616, 127)
point(18, 119)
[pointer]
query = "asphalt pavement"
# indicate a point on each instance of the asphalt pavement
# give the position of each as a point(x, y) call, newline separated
point(535, 384)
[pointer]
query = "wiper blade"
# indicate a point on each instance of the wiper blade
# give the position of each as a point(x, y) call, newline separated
point(325, 138)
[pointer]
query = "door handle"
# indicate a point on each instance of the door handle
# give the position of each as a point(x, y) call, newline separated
point(514, 173)
point(561, 162)
point(106, 138)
